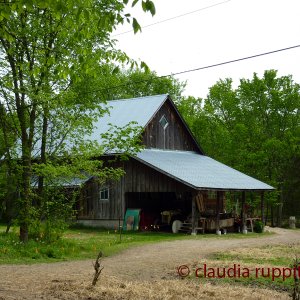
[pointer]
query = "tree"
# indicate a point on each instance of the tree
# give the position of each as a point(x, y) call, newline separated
point(46, 49)
point(253, 128)
point(120, 82)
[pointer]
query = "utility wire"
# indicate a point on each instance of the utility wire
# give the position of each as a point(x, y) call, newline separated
point(197, 69)
point(233, 61)
point(176, 17)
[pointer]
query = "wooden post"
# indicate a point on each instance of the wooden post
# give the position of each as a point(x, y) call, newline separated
point(262, 206)
point(219, 195)
point(296, 291)
point(193, 215)
point(244, 228)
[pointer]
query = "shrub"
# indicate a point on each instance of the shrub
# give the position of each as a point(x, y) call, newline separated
point(258, 227)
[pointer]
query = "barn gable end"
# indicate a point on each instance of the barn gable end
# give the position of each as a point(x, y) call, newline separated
point(167, 130)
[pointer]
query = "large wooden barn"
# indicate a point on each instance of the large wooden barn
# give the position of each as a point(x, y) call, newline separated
point(170, 179)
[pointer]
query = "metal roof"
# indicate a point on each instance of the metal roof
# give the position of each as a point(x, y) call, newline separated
point(121, 112)
point(71, 182)
point(199, 171)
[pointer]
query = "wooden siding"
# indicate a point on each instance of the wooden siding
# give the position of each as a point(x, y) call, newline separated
point(175, 137)
point(139, 178)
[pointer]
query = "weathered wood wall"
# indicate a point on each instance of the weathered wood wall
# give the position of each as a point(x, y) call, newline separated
point(138, 178)
point(176, 135)
point(141, 178)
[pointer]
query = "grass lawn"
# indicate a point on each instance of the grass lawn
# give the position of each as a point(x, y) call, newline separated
point(85, 243)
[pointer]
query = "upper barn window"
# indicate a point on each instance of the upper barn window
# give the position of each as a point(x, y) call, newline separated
point(163, 122)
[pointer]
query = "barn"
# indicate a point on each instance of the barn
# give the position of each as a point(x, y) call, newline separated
point(171, 181)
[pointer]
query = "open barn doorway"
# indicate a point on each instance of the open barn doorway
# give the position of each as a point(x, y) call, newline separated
point(158, 209)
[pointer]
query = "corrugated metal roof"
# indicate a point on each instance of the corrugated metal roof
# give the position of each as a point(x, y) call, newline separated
point(64, 182)
point(199, 171)
point(121, 112)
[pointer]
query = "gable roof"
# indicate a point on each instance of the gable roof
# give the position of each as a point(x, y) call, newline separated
point(199, 171)
point(140, 110)
point(121, 112)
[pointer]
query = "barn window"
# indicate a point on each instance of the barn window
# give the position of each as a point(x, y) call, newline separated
point(104, 194)
point(164, 122)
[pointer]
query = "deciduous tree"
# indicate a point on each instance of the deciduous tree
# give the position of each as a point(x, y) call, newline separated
point(46, 49)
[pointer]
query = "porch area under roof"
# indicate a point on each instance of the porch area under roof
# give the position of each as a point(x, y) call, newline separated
point(203, 173)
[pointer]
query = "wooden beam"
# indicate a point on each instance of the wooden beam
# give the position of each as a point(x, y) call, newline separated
point(193, 214)
point(244, 228)
point(262, 206)
point(218, 206)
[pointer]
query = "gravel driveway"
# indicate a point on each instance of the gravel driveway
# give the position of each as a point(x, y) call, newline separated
point(143, 263)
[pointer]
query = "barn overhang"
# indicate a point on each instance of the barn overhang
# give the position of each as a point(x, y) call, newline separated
point(199, 172)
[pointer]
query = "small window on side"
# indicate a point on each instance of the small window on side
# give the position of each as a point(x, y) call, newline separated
point(104, 194)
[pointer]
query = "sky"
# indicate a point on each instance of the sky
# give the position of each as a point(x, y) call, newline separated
point(217, 31)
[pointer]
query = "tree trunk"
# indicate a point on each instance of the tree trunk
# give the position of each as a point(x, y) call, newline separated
point(40, 190)
point(24, 230)
point(25, 198)
point(267, 214)
point(272, 215)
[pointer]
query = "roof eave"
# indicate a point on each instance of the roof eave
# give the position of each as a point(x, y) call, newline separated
point(196, 187)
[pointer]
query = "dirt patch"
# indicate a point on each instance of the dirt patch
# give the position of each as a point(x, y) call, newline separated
point(145, 272)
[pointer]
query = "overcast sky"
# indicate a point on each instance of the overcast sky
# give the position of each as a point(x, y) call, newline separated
point(217, 31)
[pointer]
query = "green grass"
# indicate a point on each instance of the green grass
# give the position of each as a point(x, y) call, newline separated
point(85, 243)
point(75, 244)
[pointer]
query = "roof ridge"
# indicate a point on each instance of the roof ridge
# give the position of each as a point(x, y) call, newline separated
point(135, 98)
point(172, 150)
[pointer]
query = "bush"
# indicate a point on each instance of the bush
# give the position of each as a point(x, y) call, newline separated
point(258, 227)
point(48, 230)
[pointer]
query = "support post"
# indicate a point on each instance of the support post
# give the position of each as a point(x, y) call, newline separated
point(244, 227)
point(193, 215)
point(262, 206)
point(219, 195)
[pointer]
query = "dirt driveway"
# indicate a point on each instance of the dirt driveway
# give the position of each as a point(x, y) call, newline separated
point(137, 267)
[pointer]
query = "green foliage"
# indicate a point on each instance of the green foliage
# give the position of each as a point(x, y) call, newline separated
point(80, 242)
point(77, 243)
point(47, 51)
point(148, 6)
point(258, 227)
point(119, 82)
point(50, 220)
point(253, 128)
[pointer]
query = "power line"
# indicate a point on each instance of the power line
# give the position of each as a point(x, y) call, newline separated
point(198, 69)
point(233, 61)
point(176, 17)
